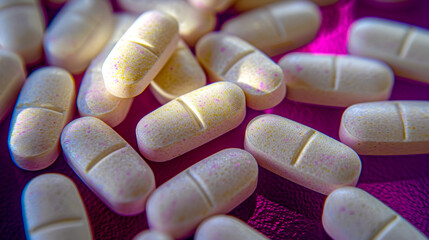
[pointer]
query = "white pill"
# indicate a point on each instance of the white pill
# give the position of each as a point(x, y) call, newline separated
point(404, 47)
point(53, 209)
point(246, 5)
point(181, 74)
point(211, 5)
point(335, 80)
point(140, 54)
point(226, 227)
point(301, 154)
point(78, 33)
point(45, 105)
point(11, 79)
point(193, 24)
point(108, 165)
point(190, 121)
point(152, 235)
point(353, 214)
point(215, 185)
point(21, 28)
point(93, 98)
point(387, 128)
point(278, 27)
point(228, 58)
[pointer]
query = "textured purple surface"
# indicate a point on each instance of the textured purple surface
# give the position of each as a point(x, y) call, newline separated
point(278, 208)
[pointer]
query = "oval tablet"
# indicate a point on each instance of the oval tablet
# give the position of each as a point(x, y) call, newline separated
point(353, 214)
point(53, 209)
point(211, 5)
point(301, 154)
point(215, 185)
point(246, 5)
point(193, 24)
point(78, 33)
point(404, 47)
point(140, 54)
point(45, 105)
point(152, 235)
point(335, 80)
point(387, 128)
point(93, 98)
point(108, 165)
point(278, 27)
point(11, 79)
point(21, 28)
point(226, 227)
point(180, 75)
point(190, 121)
point(228, 58)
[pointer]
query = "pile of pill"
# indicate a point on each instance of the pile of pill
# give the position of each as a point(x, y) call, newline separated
point(105, 103)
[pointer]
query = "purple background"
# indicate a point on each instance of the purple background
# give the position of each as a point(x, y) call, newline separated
point(278, 208)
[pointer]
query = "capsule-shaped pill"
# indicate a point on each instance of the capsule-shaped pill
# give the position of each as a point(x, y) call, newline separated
point(246, 5)
point(335, 80)
point(278, 27)
point(108, 165)
point(228, 58)
point(387, 128)
point(353, 214)
point(45, 105)
point(152, 235)
point(226, 227)
point(404, 47)
point(140, 54)
point(301, 154)
point(211, 5)
point(11, 79)
point(21, 28)
point(93, 98)
point(180, 75)
point(53, 209)
point(78, 33)
point(190, 121)
point(215, 185)
point(193, 24)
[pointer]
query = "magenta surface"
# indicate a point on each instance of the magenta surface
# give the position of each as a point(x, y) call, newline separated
point(278, 208)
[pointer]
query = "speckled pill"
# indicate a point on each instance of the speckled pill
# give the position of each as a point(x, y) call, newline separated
point(11, 79)
point(108, 165)
point(226, 227)
point(140, 54)
point(278, 27)
point(228, 58)
point(78, 33)
point(335, 80)
point(353, 214)
point(215, 185)
point(180, 75)
point(387, 128)
point(404, 47)
point(53, 209)
point(93, 98)
point(190, 121)
point(211, 5)
point(246, 5)
point(301, 154)
point(45, 105)
point(193, 24)
point(22, 25)
point(152, 235)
